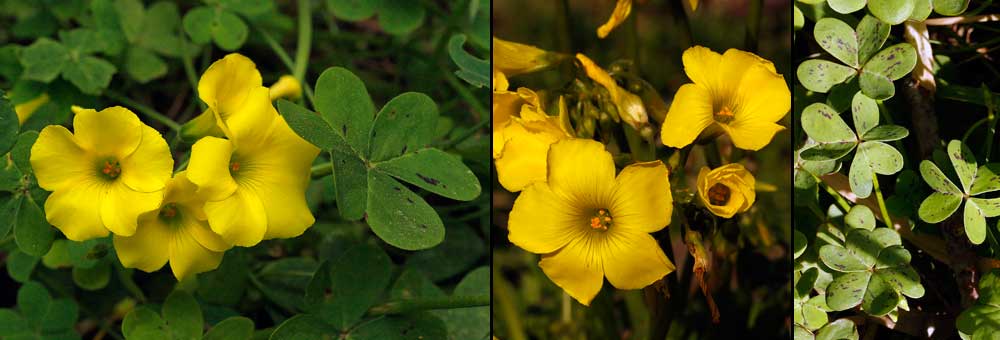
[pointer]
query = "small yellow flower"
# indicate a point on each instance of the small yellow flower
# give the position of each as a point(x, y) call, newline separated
point(629, 106)
point(506, 104)
point(738, 92)
point(177, 232)
point(588, 224)
point(726, 190)
point(106, 173)
point(224, 87)
point(26, 109)
point(513, 58)
point(525, 143)
point(694, 5)
point(622, 9)
point(286, 87)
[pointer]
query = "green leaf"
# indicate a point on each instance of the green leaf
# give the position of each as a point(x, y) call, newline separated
point(460, 249)
point(904, 280)
point(937, 179)
point(828, 151)
point(435, 171)
point(20, 266)
point(233, 328)
point(838, 39)
point(405, 123)
point(90, 74)
point(814, 313)
point(343, 101)
point(21, 152)
point(248, 7)
point(876, 86)
point(182, 315)
point(473, 70)
point(198, 24)
point(229, 31)
point(31, 232)
point(846, 6)
point(921, 10)
point(880, 298)
point(93, 278)
point(799, 243)
point(893, 62)
point(352, 10)
point(310, 126)
point(801, 333)
point(421, 325)
point(357, 279)
point(892, 12)
point(838, 330)
point(143, 323)
point(840, 259)
point(131, 15)
point(872, 33)
point(886, 133)
point(989, 207)
point(964, 163)
point(34, 302)
point(350, 174)
point(938, 206)
point(8, 124)
point(44, 60)
point(58, 256)
point(399, 17)
point(11, 323)
point(847, 290)
point(143, 65)
point(824, 125)
point(400, 217)
point(860, 217)
point(987, 179)
point(472, 322)
point(870, 159)
point(975, 223)
point(820, 75)
point(865, 113)
point(82, 41)
point(304, 326)
point(950, 7)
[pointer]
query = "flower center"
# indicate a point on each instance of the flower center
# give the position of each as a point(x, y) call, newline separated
point(110, 168)
point(724, 115)
point(234, 166)
point(718, 194)
point(601, 220)
point(169, 212)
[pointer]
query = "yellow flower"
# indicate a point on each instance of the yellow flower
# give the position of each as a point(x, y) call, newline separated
point(738, 92)
point(255, 181)
point(505, 105)
point(525, 143)
point(26, 109)
point(513, 58)
point(629, 105)
point(106, 173)
point(622, 9)
point(694, 5)
point(286, 87)
point(589, 224)
point(177, 232)
point(726, 190)
point(224, 87)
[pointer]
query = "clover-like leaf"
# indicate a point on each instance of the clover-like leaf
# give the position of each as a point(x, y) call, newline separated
point(872, 33)
point(942, 203)
point(799, 243)
point(833, 137)
point(865, 113)
point(950, 7)
point(985, 314)
point(846, 6)
point(838, 39)
point(886, 66)
point(875, 272)
point(840, 329)
point(987, 179)
point(870, 159)
point(820, 75)
point(38, 315)
point(473, 70)
point(892, 12)
point(860, 217)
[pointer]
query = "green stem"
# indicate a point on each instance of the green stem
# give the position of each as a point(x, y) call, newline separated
point(836, 195)
point(305, 40)
point(881, 202)
point(972, 128)
point(424, 303)
point(464, 92)
point(567, 308)
point(465, 135)
point(145, 110)
point(320, 170)
point(287, 60)
point(506, 306)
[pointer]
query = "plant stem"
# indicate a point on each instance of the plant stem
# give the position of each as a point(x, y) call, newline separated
point(567, 306)
point(836, 195)
point(145, 110)
point(991, 116)
point(881, 202)
point(320, 170)
point(287, 60)
point(305, 40)
point(464, 92)
point(423, 303)
point(506, 305)
point(465, 135)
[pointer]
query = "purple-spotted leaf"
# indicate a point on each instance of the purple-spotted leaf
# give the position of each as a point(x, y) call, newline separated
point(975, 223)
point(938, 206)
point(838, 39)
point(865, 113)
point(872, 33)
point(820, 75)
point(847, 290)
point(964, 163)
point(987, 179)
point(880, 297)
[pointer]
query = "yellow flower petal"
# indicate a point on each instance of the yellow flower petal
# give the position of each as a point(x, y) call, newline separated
point(286, 87)
point(148, 168)
point(523, 160)
point(121, 207)
point(58, 161)
point(187, 256)
point(689, 114)
point(239, 218)
point(577, 269)
point(764, 95)
point(737, 180)
point(149, 248)
point(622, 9)
point(629, 106)
point(694, 5)
point(76, 210)
point(226, 84)
point(642, 199)
point(114, 131)
point(28, 108)
point(702, 65)
point(542, 221)
point(201, 126)
point(513, 58)
point(250, 126)
point(567, 160)
point(633, 259)
point(281, 185)
point(209, 168)
point(751, 134)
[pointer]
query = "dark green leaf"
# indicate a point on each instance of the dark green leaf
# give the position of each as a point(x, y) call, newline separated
point(234, 328)
point(20, 265)
point(89, 74)
point(93, 278)
point(473, 70)
point(44, 60)
point(183, 315)
point(310, 126)
point(31, 232)
point(847, 290)
point(357, 279)
point(400, 17)
point(352, 10)
point(400, 217)
point(143, 65)
point(8, 124)
point(413, 326)
point(351, 178)
point(229, 31)
point(405, 123)
point(343, 101)
point(304, 326)
point(435, 171)
point(198, 24)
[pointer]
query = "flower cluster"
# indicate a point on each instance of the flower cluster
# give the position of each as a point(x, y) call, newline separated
point(587, 223)
point(245, 181)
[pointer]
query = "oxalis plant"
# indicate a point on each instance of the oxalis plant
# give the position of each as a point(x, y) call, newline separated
point(244, 169)
point(882, 168)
